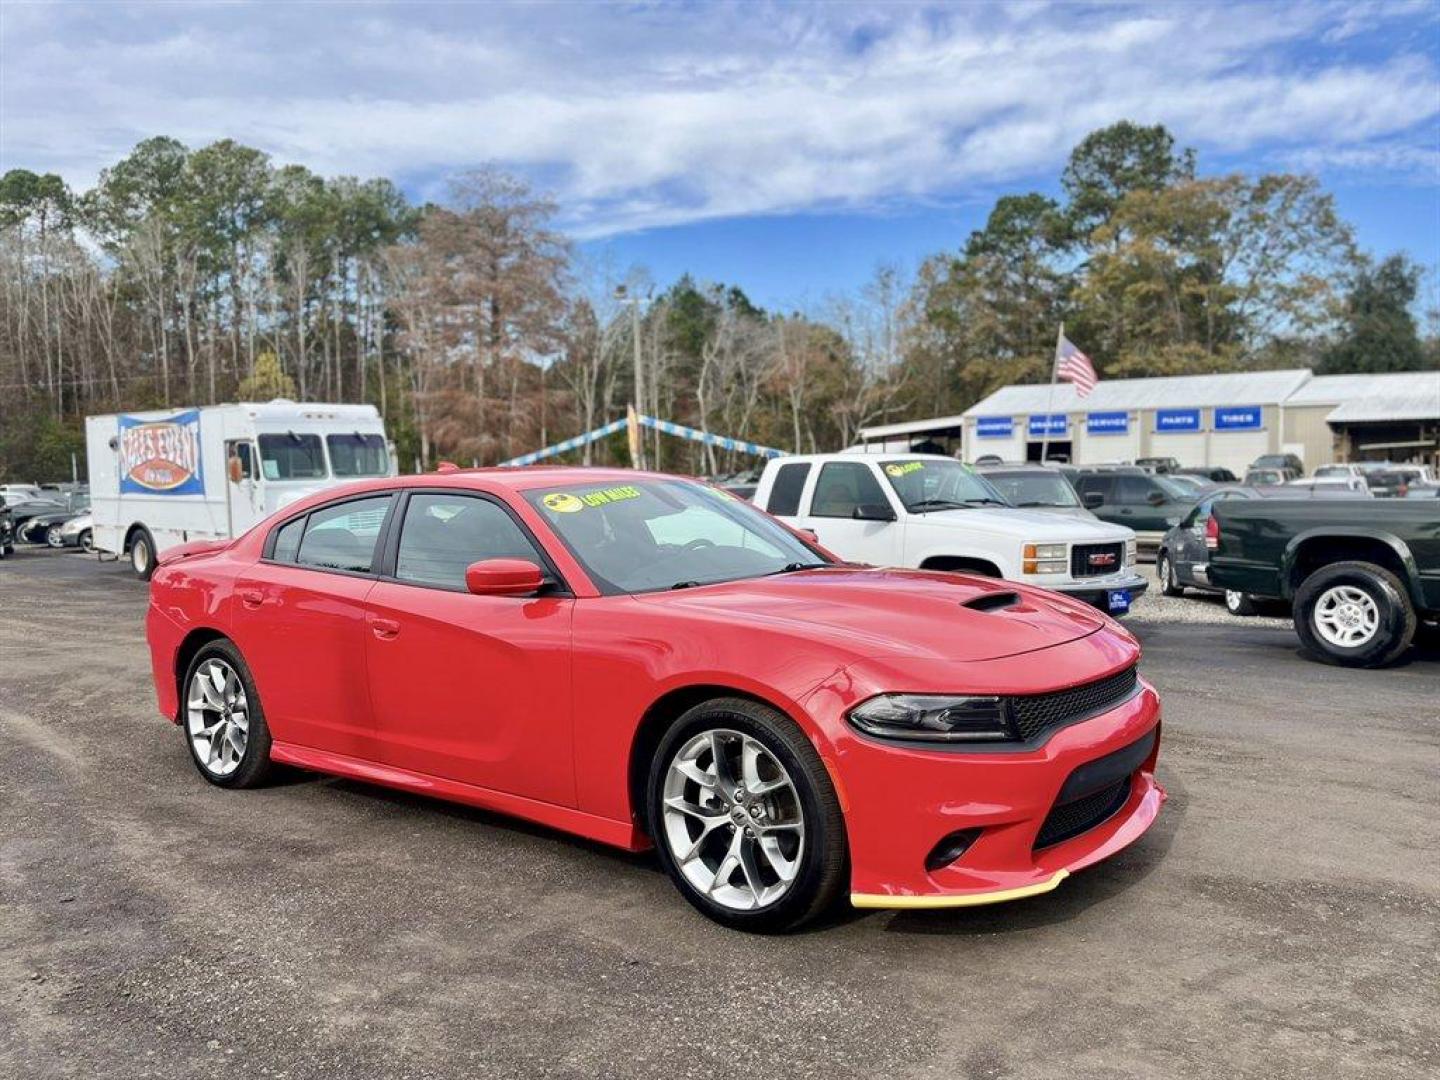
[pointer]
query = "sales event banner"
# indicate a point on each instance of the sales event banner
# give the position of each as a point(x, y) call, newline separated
point(1177, 420)
point(1107, 423)
point(995, 427)
point(1238, 418)
point(161, 457)
point(1053, 424)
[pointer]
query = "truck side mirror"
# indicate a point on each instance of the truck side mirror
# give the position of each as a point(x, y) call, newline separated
point(873, 512)
point(235, 469)
point(1092, 500)
point(1156, 498)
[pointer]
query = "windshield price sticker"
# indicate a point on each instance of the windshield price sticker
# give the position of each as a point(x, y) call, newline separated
point(904, 468)
point(562, 502)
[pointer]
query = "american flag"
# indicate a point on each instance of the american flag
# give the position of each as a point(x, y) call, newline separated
point(1074, 366)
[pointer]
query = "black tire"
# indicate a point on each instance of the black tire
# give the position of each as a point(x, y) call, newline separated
point(255, 764)
point(86, 542)
point(1165, 572)
point(1396, 624)
point(1239, 603)
point(142, 553)
point(824, 860)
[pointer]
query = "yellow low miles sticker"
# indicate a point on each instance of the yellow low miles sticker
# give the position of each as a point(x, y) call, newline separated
point(563, 502)
point(904, 468)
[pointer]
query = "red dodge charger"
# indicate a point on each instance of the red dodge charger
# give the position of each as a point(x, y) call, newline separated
point(643, 659)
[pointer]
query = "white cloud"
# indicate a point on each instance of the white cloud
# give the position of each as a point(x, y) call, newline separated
point(648, 115)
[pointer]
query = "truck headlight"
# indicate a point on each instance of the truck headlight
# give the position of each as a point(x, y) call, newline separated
point(1045, 559)
point(1132, 555)
point(933, 718)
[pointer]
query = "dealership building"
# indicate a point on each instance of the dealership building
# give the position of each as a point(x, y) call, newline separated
point(1226, 420)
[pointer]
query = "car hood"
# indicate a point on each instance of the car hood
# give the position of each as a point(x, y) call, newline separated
point(1024, 524)
point(873, 612)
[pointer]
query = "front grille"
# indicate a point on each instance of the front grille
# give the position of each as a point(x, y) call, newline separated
point(1111, 556)
point(1035, 715)
point(1074, 818)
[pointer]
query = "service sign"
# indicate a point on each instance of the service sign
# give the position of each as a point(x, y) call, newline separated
point(1048, 424)
point(1107, 423)
point(1238, 418)
point(161, 457)
point(995, 427)
point(1177, 420)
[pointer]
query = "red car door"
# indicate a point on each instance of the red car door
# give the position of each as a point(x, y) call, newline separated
point(465, 687)
point(300, 624)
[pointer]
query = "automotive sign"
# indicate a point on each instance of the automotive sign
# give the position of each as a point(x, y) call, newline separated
point(1238, 418)
point(1177, 420)
point(1053, 424)
point(1107, 423)
point(161, 457)
point(995, 427)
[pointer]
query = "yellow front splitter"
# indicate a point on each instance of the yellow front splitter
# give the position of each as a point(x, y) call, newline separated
point(1000, 896)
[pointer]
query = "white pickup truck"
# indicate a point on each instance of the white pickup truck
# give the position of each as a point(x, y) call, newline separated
point(931, 512)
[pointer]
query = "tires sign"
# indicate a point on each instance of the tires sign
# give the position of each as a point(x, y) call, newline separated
point(161, 457)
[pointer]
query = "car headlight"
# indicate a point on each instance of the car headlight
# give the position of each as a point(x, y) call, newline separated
point(933, 718)
point(1132, 554)
point(1044, 559)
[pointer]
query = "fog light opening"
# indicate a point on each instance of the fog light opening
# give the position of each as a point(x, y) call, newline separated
point(950, 848)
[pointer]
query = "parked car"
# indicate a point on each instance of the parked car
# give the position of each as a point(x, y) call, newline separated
point(1183, 559)
point(1423, 491)
point(1150, 505)
point(21, 513)
point(1158, 464)
point(45, 528)
point(1392, 481)
point(1358, 575)
point(13, 493)
point(78, 532)
point(1267, 477)
point(1195, 485)
point(1036, 487)
point(7, 530)
point(933, 513)
point(1215, 473)
point(646, 660)
point(1287, 463)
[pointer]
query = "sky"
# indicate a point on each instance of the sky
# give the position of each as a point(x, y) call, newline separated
point(789, 148)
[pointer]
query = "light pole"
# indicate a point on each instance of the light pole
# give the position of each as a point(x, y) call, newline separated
point(623, 295)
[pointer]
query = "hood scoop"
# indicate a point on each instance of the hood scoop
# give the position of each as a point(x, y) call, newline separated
point(992, 601)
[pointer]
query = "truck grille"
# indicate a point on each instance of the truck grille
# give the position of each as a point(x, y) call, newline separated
point(1035, 715)
point(1082, 815)
point(1092, 560)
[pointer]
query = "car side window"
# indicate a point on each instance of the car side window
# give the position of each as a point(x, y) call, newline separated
point(444, 534)
point(342, 537)
point(287, 540)
point(843, 486)
point(789, 483)
point(1101, 485)
point(1134, 489)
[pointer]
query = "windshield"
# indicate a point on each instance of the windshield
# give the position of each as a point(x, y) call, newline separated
point(1174, 490)
point(291, 457)
point(925, 484)
point(655, 534)
point(358, 455)
point(1034, 488)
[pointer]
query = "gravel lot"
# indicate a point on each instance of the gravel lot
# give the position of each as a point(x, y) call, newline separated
point(1280, 920)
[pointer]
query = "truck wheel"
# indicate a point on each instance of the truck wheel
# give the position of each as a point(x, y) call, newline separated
point(1165, 571)
point(1354, 613)
point(1239, 603)
point(142, 553)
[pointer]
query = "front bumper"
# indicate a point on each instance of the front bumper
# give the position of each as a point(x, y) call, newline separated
point(900, 803)
point(1095, 591)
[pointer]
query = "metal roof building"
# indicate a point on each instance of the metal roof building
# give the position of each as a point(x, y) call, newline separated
point(1226, 419)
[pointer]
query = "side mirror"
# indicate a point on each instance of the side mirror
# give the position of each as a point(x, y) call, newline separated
point(1092, 500)
point(810, 534)
point(1156, 498)
point(235, 469)
point(503, 577)
point(873, 512)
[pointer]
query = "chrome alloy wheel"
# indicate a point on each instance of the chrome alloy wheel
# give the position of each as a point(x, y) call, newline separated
point(1346, 616)
point(217, 717)
point(733, 820)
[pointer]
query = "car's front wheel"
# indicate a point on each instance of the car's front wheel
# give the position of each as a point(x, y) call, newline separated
point(224, 724)
point(53, 538)
point(744, 817)
point(86, 542)
point(1354, 613)
point(1165, 571)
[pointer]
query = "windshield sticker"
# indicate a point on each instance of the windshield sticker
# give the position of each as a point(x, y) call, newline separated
point(720, 493)
point(904, 468)
point(562, 502)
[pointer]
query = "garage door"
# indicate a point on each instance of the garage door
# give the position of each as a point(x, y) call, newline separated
point(1235, 450)
point(1188, 449)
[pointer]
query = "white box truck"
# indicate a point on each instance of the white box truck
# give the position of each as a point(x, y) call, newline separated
point(158, 479)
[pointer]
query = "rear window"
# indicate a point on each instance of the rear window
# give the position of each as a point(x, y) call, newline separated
point(789, 483)
point(342, 537)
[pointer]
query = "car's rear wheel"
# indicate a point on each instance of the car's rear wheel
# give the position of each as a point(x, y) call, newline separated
point(744, 817)
point(1239, 603)
point(1165, 572)
point(1354, 613)
point(223, 721)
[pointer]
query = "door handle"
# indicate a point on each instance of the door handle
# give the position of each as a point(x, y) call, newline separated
point(251, 598)
point(384, 628)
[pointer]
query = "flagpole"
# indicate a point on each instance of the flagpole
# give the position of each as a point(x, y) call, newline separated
point(1050, 400)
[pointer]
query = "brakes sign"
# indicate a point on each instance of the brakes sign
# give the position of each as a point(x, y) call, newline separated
point(161, 457)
